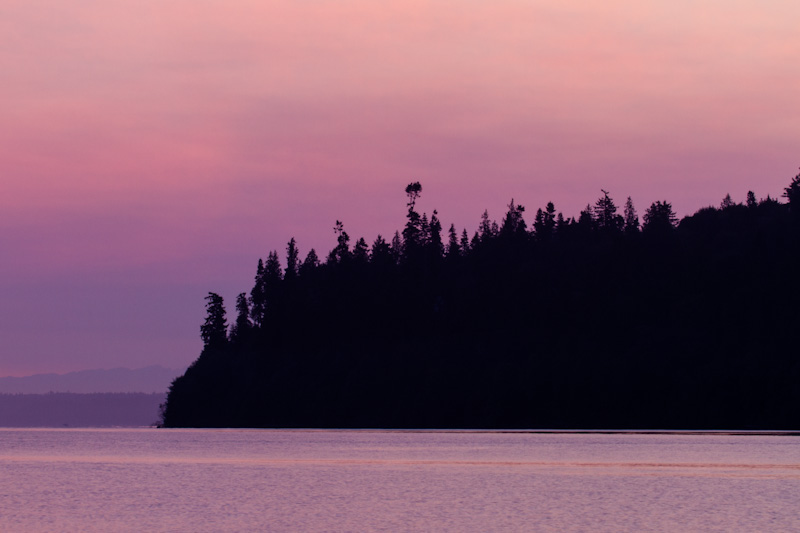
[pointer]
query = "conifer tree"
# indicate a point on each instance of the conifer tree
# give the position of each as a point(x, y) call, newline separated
point(727, 202)
point(586, 219)
point(310, 263)
point(605, 214)
point(464, 244)
point(659, 218)
point(214, 330)
point(342, 251)
point(485, 227)
point(258, 297)
point(792, 195)
point(475, 243)
point(397, 247)
point(453, 249)
point(561, 223)
point(381, 252)
point(412, 232)
point(292, 260)
point(361, 251)
point(424, 231)
point(273, 275)
point(435, 235)
point(545, 222)
point(631, 218)
point(513, 222)
point(242, 326)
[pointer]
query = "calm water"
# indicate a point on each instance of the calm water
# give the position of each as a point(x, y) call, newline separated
point(266, 480)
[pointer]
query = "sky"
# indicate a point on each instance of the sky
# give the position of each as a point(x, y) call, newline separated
point(153, 150)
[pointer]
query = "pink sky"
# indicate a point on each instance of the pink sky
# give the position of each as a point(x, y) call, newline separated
point(151, 151)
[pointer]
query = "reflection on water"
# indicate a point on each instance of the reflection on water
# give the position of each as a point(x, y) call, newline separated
point(233, 480)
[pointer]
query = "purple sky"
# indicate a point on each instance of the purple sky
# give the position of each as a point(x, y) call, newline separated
point(152, 151)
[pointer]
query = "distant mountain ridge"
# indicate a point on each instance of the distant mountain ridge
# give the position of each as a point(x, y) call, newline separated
point(150, 379)
point(66, 409)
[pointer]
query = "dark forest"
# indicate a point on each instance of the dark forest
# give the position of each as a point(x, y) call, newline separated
point(595, 321)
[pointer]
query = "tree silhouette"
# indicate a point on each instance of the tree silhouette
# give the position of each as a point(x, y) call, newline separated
point(361, 251)
point(485, 231)
point(310, 263)
point(241, 328)
point(435, 232)
point(726, 202)
point(258, 296)
point(792, 195)
point(397, 247)
point(544, 224)
point(660, 218)
point(381, 252)
point(605, 214)
point(292, 260)
point(464, 242)
point(586, 220)
point(513, 223)
point(412, 233)
point(453, 249)
point(273, 274)
point(413, 190)
point(214, 330)
point(342, 251)
point(631, 219)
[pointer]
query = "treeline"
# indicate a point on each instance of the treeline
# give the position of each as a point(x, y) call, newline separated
point(596, 321)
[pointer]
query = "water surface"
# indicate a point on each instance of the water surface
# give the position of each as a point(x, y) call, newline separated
point(280, 480)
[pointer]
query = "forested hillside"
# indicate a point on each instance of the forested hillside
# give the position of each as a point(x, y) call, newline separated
point(596, 321)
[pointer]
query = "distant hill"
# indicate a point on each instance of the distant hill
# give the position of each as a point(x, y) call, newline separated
point(150, 379)
point(61, 409)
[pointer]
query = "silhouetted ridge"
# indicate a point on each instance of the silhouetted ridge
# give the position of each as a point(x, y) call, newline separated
point(598, 321)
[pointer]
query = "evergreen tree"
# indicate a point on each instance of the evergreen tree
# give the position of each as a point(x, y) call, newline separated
point(435, 232)
point(550, 218)
point(397, 247)
point(310, 263)
point(538, 224)
point(727, 202)
point(659, 218)
point(561, 223)
point(453, 250)
point(273, 275)
point(475, 243)
point(545, 223)
point(464, 244)
point(214, 330)
point(292, 260)
point(631, 218)
point(412, 232)
point(514, 223)
point(241, 328)
point(792, 195)
point(381, 252)
point(342, 251)
point(424, 231)
point(485, 227)
point(361, 251)
point(586, 220)
point(258, 297)
point(605, 214)
point(751, 200)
